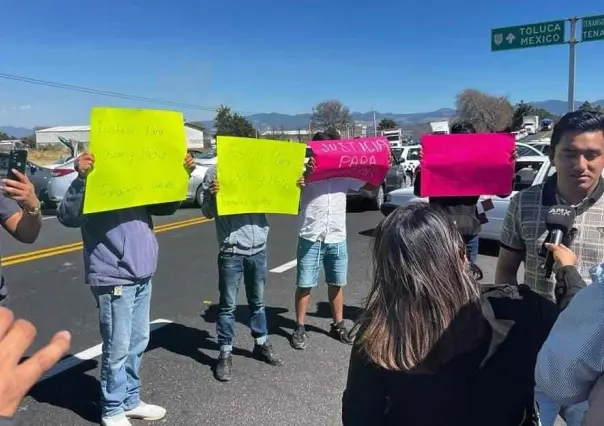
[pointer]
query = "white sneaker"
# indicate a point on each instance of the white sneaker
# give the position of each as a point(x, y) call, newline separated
point(119, 420)
point(146, 412)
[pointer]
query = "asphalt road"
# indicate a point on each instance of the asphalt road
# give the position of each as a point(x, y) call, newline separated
point(176, 370)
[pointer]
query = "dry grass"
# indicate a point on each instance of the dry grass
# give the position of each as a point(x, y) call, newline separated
point(46, 155)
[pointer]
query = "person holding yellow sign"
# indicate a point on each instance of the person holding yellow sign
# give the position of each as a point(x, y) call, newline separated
point(120, 258)
point(243, 240)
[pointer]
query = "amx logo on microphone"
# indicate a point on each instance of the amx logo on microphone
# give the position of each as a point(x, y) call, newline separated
point(561, 212)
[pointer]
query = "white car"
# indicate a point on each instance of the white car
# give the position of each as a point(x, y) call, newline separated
point(204, 158)
point(194, 191)
point(526, 150)
point(409, 158)
point(542, 145)
point(529, 171)
point(61, 177)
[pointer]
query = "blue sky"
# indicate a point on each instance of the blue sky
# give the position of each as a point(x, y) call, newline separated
point(279, 55)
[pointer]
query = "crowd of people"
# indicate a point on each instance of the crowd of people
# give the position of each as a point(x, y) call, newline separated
point(432, 347)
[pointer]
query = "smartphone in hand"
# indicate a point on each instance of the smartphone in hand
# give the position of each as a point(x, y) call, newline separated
point(18, 161)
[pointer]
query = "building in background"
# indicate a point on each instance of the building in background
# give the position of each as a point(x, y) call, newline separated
point(50, 136)
point(299, 135)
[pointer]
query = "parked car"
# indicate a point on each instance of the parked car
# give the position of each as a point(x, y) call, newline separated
point(61, 177)
point(526, 150)
point(542, 146)
point(194, 191)
point(395, 179)
point(529, 171)
point(204, 158)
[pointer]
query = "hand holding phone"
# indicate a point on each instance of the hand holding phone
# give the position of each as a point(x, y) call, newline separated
point(17, 161)
point(17, 185)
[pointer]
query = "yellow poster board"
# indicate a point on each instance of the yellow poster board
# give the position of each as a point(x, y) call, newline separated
point(138, 159)
point(258, 175)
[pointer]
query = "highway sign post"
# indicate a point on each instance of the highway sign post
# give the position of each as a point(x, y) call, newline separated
point(592, 28)
point(531, 35)
point(549, 34)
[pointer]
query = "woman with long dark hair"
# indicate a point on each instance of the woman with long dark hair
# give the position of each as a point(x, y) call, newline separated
point(435, 348)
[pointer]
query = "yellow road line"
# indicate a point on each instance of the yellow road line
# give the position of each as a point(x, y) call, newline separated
point(68, 248)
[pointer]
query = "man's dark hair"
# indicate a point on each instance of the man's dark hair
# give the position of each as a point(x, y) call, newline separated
point(326, 136)
point(319, 136)
point(462, 127)
point(578, 121)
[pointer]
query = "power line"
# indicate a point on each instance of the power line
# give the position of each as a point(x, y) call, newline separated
point(125, 96)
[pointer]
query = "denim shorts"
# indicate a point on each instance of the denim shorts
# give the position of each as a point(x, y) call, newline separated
point(313, 254)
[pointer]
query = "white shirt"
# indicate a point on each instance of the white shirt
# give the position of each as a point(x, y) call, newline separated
point(323, 209)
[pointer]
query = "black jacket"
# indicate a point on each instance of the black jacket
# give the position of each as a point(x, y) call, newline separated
point(491, 384)
point(461, 209)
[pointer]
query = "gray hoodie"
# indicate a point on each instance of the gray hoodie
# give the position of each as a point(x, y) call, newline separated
point(120, 247)
point(244, 234)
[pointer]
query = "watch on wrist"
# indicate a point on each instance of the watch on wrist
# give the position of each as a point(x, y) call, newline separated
point(34, 212)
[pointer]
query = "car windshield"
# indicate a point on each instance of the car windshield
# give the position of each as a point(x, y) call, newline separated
point(413, 154)
point(526, 172)
point(397, 152)
point(526, 151)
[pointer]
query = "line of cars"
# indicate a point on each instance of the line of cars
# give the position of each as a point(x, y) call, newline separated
point(532, 168)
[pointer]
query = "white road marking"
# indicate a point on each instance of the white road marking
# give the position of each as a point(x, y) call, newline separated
point(48, 217)
point(285, 267)
point(90, 353)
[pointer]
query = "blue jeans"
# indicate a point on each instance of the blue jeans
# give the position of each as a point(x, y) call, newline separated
point(124, 325)
point(312, 254)
point(549, 409)
point(231, 269)
point(472, 248)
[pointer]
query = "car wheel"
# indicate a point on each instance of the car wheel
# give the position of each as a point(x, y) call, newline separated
point(379, 198)
point(199, 196)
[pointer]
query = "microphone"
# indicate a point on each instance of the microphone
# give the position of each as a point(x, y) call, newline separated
point(558, 223)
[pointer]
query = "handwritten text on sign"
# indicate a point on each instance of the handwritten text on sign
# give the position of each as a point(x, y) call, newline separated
point(364, 159)
point(138, 159)
point(258, 176)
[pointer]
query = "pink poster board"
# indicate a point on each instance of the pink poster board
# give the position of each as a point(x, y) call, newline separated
point(467, 164)
point(365, 159)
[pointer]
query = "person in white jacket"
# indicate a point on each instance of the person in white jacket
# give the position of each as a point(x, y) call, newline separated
point(571, 361)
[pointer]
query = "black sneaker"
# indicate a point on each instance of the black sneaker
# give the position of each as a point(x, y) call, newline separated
point(267, 354)
point(339, 332)
point(224, 367)
point(298, 339)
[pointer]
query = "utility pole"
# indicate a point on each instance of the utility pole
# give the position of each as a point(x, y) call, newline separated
point(374, 122)
point(572, 42)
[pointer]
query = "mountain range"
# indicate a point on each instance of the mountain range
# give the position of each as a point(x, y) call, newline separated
point(275, 120)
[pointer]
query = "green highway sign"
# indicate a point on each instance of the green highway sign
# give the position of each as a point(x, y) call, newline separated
point(531, 35)
point(592, 28)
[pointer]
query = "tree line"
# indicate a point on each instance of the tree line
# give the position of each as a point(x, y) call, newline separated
point(487, 112)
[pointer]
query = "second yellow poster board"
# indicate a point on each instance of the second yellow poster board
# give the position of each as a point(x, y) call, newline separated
point(138, 159)
point(258, 175)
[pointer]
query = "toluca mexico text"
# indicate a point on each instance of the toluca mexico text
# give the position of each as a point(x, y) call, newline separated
point(540, 34)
